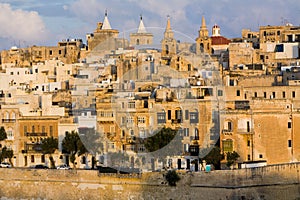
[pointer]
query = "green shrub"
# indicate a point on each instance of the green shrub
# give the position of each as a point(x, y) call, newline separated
point(172, 177)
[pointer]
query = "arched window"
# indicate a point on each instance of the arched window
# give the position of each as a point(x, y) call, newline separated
point(201, 47)
point(6, 115)
point(196, 134)
point(13, 115)
point(137, 41)
point(167, 49)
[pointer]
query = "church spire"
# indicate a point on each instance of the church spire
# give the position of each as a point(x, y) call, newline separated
point(168, 23)
point(106, 24)
point(141, 28)
point(168, 32)
point(203, 25)
point(203, 32)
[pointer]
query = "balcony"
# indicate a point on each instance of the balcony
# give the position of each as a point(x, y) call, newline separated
point(176, 121)
point(32, 148)
point(194, 150)
point(245, 131)
point(131, 139)
point(194, 138)
point(227, 131)
point(36, 134)
point(8, 120)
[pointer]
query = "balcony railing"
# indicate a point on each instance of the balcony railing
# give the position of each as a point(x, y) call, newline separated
point(176, 121)
point(245, 131)
point(8, 120)
point(35, 134)
point(227, 131)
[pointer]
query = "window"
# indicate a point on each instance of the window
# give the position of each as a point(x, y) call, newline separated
point(283, 94)
point(186, 147)
point(141, 120)
point(10, 135)
point(273, 95)
point(194, 117)
point(131, 104)
point(186, 132)
point(260, 156)
point(178, 114)
point(227, 145)
point(249, 157)
point(220, 93)
point(123, 120)
point(265, 95)
point(196, 134)
point(32, 158)
point(248, 126)
point(289, 124)
point(161, 117)
point(289, 143)
point(229, 126)
point(238, 93)
point(169, 115)
point(293, 94)
point(255, 94)
point(142, 133)
point(248, 143)
point(279, 48)
point(51, 130)
point(83, 160)
point(186, 114)
point(43, 158)
point(50, 52)
point(130, 120)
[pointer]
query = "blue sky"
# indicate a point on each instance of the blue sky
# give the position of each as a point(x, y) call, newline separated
point(43, 22)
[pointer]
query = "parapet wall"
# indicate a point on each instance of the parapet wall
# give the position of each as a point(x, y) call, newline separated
point(271, 182)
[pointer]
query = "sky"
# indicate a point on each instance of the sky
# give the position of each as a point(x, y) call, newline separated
point(25, 23)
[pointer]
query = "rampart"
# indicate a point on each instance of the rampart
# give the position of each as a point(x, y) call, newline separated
point(271, 182)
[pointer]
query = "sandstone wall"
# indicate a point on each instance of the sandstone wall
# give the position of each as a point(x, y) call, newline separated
point(272, 182)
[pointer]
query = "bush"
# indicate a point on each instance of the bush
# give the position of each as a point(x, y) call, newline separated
point(172, 177)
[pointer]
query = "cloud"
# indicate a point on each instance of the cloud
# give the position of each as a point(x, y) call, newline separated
point(19, 25)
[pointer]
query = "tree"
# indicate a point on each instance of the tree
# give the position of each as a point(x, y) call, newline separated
point(7, 153)
point(49, 145)
point(3, 134)
point(72, 145)
point(231, 158)
point(214, 157)
point(160, 139)
point(172, 177)
point(166, 142)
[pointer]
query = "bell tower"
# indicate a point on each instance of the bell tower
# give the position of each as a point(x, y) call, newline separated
point(168, 43)
point(141, 37)
point(203, 41)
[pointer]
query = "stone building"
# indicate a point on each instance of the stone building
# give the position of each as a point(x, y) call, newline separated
point(141, 37)
point(104, 38)
point(67, 51)
point(203, 41)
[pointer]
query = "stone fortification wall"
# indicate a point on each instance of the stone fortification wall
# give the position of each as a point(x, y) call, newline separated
point(272, 182)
